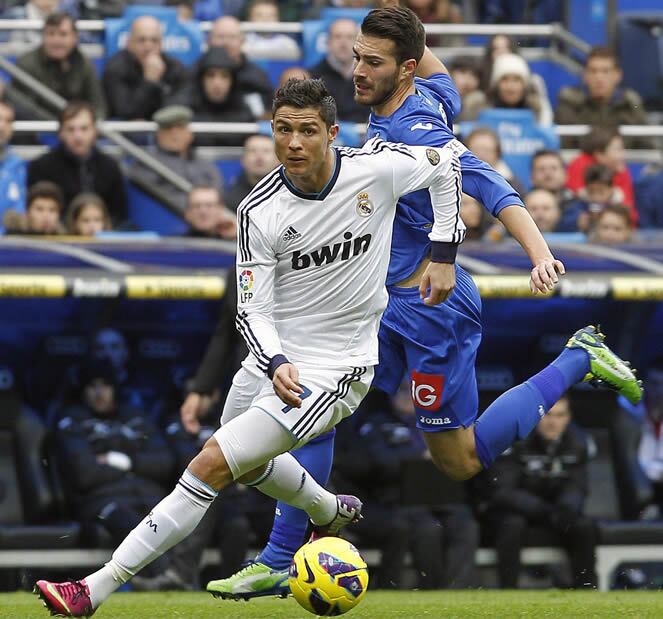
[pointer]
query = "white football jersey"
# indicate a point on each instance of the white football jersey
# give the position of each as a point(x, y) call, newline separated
point(311, 268)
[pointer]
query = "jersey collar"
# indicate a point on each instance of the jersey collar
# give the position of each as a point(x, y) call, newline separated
point(326, 190)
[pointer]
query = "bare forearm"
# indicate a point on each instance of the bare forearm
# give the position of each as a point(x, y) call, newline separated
point(521, 226)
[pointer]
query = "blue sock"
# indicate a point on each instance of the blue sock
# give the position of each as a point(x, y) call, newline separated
point(290, 524)
point(517, 412)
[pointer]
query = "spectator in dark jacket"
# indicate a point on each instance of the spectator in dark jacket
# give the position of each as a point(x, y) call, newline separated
point(213, 96)
point(76, 165)
point(251, 79)
point(258, 160)
point(336, 70)
point(649, 198)
point(601, 101)
point(116, 461)
point(139, 79)
point(60, 65)
point(542, 481)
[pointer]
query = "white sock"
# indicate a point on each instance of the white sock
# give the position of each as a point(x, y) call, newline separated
point(286, 480)
point(175, 517)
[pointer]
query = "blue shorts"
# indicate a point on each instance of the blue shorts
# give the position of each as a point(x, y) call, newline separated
point(437, 347)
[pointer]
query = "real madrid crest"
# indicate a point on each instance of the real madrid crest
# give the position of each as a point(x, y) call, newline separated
point(364, 205)
point(433, 156)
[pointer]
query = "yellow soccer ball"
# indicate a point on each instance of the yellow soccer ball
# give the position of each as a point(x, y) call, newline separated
point(328, 576)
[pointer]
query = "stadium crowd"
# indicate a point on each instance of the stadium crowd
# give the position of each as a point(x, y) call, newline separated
point(125, 442)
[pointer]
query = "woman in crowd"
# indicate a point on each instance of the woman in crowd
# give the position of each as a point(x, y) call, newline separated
point(87, 215)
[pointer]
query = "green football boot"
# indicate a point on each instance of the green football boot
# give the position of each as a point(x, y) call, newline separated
point(254, 580)
point(606, 368)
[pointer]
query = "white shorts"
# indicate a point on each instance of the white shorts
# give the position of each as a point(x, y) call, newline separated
point(330, 395)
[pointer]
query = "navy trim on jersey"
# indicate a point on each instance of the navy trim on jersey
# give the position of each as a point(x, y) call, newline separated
point(324, 401)
point(243, 326)
point(326, 189)
point(377, 147)
point(458, 235)
point(259, 195)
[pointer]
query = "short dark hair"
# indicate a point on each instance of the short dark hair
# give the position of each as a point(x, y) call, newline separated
point(598, 174)
point(602, 52)
point(399, 25)
point(74, 108)
point(45, 189)
point(598, 139)
point(484, 131)
point(620, 210)
point(58, 18)
point(547, 152)
point(307, 93)
point(466, 64)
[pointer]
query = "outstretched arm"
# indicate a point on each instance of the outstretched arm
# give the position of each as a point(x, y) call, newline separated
point(546, 270)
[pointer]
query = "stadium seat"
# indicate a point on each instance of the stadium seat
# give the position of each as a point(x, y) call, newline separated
point(147, 213)
point(33, 523)
point(639, 36)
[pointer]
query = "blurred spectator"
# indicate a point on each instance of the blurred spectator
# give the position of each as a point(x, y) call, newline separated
point(135, 388)
point(511, 87)
point(293, 73)
point(648, 192)
point(600, 101)
point(87, 215)
point(58, 64)
point(598, 192)
point(12, 168)
point(184, 8)
point(498, 45)
point(650, 450)
point(543, 206)
point(251, 79)
point(258, 160)
point(116, 461)
point(485, 144)
point(139, 79)
point(208, 216)
point(605, 146)
point(612, 226)
point(521, 11)
point(466, 75)
point(475, 218)
point(78, 166)
point(225, 352)
point(173, 148)
point(549, 173)
point(213, 96)
point(542, 482)
point(438, 12)
point(337, 67)
point(43, 209)
point(263, 45)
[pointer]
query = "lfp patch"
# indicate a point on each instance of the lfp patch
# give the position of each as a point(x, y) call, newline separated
point(246, 280)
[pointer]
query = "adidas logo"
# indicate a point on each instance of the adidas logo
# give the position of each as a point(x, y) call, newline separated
point(291, 234)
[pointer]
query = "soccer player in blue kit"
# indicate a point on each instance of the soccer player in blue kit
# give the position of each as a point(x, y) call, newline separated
point(413, 100)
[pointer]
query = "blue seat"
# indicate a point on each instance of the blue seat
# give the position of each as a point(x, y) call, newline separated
point(639, 37)
point(148, 214)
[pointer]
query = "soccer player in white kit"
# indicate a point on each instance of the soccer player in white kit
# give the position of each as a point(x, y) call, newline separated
point(314, 244)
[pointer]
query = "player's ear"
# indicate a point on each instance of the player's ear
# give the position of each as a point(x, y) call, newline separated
point(332, 133)
point(409, 68)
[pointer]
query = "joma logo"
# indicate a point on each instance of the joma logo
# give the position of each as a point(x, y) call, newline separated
point(329, 253)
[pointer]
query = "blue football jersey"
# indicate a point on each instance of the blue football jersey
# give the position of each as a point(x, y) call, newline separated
point(426, 119)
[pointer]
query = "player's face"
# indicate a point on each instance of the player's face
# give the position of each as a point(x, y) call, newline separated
point(376, 71)
point(302, 140)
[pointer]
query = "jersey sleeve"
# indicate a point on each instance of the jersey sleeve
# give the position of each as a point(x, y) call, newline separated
point(443, 89)
point(480, 180)
point(438, 170)
point(256, 269)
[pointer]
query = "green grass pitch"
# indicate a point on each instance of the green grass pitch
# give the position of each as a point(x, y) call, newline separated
point(377, 605)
